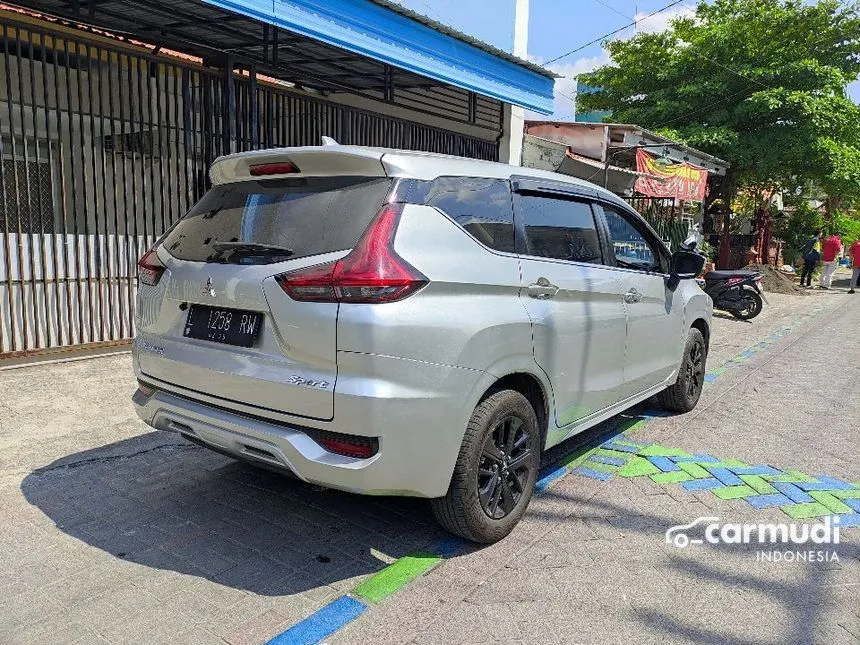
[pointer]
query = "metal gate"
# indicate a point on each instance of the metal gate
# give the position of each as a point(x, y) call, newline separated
point(102, 147)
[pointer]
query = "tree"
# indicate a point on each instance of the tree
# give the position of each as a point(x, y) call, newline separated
point(759, 83)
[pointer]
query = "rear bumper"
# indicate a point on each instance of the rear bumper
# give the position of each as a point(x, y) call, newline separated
point(419, 419)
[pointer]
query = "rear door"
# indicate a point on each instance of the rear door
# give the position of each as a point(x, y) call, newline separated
point(655, 313)
point(573, 301)
point(187, 323)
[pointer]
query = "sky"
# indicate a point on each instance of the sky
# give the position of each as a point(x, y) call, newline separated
point(556, 27)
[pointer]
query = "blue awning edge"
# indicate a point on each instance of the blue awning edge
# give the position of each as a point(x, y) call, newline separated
point(373, 30)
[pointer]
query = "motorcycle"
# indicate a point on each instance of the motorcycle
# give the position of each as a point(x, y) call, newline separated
point(737, 292)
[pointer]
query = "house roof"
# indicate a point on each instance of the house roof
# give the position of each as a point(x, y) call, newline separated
point(466, 38)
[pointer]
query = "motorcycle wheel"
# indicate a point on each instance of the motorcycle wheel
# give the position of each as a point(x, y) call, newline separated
point(752, 306)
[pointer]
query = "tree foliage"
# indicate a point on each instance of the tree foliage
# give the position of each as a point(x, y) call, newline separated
point(759, 83)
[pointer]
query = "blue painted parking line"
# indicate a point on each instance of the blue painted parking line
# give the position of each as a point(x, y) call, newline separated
point(322, 623)
point(766, 501)
point(548, 479)
point(588, 472)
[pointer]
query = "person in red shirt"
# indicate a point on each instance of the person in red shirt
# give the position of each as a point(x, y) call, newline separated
point(854, 252)
point(830, 248)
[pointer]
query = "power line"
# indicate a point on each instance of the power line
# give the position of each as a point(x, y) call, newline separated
point(611, 8)
point(704, 107)
point(612, 33)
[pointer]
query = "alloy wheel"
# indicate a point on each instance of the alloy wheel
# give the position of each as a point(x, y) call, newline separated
point(505, 467)
point(695, 369)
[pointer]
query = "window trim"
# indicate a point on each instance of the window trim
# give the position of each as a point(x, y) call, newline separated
point(564, 196)
point(642, 227)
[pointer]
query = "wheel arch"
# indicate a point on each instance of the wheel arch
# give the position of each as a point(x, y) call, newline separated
point(530, 387)
point(702, 325)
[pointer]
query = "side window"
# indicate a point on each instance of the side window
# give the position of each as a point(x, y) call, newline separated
point(481, 206)
point(559, 228)
point(632, 249)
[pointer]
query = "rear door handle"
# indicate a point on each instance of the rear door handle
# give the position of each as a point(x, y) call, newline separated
point(543, 289)
point(632, 296)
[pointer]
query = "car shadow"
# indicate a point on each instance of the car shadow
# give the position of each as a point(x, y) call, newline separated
point(724, 316)
point(159, 501)
point(164, 503)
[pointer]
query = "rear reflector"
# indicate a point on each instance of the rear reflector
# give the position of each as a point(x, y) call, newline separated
point(278, 168)
point(361, 449)
point(150, 268)
point(145, 390)
point(371, 273)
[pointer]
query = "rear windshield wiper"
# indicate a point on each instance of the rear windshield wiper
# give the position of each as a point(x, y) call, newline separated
point(252, 248)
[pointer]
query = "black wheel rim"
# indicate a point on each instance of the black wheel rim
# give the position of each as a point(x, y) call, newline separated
point(505, 467)
point(750, 308)
point(695, 369)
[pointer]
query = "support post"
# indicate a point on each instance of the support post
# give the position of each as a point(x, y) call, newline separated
point(511, 145)
point(228, 122)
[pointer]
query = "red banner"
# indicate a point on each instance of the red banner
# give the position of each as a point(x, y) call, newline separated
point(678, 180)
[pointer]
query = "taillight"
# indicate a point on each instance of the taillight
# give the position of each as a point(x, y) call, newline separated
point(150, 268)
point(371, 273)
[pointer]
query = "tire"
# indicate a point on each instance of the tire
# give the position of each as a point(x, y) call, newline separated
point(754, 306)
point(684, 394)
point(467, 509)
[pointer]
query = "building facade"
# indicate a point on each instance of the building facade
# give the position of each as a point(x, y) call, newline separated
point(111, 114)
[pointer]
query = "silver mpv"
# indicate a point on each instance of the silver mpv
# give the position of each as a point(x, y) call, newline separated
point(401, 323)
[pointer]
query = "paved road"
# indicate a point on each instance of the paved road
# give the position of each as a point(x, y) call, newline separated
point(116, 534)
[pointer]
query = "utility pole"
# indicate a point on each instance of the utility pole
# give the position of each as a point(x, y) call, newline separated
point(511, 145)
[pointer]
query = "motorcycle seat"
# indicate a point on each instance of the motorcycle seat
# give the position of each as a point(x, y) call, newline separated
point(725, 275)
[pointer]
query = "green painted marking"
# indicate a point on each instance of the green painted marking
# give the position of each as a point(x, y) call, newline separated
point(830, 501)
point(631, 425)
point(729, 463)
point(805, 510)
point(847, 494)
point(694, 470)
point(656, 450)
point(791, 476)
point(605, 452)
point(604, 468)
point(397, 574)
point(759, 484)
point(637, 467)
point(578, 456)
point(718, 370)
point(673, 477)
point(733, 492)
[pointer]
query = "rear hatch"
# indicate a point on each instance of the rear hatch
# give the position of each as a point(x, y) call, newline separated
point(217, 322)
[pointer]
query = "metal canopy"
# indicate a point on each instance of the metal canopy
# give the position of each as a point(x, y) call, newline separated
point(356, 46)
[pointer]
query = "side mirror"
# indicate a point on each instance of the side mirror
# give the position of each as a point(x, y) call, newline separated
point(684, 266)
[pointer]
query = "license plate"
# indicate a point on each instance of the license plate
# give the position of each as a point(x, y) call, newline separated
point(228, 326)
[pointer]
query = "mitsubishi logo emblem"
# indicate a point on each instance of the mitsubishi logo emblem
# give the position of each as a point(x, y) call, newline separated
point(208, 289)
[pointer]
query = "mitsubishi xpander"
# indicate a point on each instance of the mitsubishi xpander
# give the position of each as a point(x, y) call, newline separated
point(402, 323)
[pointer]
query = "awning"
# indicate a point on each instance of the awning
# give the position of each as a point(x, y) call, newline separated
point(373, 29)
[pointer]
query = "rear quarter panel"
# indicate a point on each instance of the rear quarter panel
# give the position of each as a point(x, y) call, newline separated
point(469, 315)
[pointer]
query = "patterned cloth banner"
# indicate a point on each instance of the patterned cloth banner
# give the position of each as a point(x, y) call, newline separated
point(678, 180)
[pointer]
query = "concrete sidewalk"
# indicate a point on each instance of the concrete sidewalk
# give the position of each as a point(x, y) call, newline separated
point(121, 535)
point(590, 563)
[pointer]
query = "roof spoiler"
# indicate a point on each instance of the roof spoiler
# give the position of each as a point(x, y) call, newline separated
point(326, 160)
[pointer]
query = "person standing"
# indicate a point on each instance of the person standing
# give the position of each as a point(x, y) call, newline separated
point(854, 252)
point(830, 249)
point(811, 253)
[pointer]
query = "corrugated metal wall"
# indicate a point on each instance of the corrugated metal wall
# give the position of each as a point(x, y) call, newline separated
point(101, 149)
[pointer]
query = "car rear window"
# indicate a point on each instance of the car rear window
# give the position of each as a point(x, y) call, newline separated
point(308, 216)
